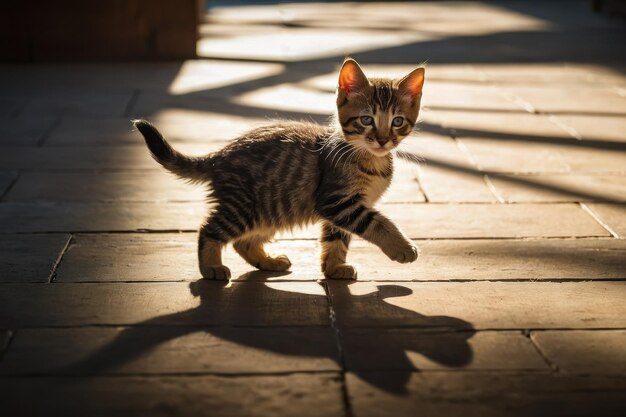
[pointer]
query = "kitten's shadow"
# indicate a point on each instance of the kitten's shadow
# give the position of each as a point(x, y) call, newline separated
point(220, 301)
point(257, 275)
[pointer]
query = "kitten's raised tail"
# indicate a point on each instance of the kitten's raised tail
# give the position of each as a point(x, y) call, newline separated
point(194, 169)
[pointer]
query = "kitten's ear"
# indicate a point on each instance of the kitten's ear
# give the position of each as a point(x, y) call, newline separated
point(413, 83)
point(351, 77)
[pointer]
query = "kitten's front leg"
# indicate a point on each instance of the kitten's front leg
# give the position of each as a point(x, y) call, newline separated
point(386, 235)
point(334, 249)
point(352, 215)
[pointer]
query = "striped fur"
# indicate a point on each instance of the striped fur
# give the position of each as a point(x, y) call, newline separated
point(290, 174)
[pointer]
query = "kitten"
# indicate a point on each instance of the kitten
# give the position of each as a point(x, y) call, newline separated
point(290, 174)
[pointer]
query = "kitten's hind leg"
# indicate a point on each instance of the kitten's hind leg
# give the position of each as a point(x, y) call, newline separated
point(250, 247)
point(211, 241)
point(334, 250)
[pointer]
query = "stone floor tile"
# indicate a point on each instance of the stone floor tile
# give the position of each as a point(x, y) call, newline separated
point(495, 260)
point(443, 185)
point(495, 155)
point(483, 305)
point(73, 158)
point(131, 257)
point(5, 336)
point(492, 220)
point(78, 103)
point(443, 394)
point(24, 131)
point(427, 149)
point(247, 396)
point(221, 76)
point(503, 126)
point(78, 78)
point(533, 157)
point(598, 352)
point(303, 44)
point(6, 179)
point(559, 188)
point(450, 95)
point(598, 73)
point(411, 349)
point(104, 187)
point(170, 350)
point(119, 131)
point(613, 215)
point(181, 303)
point(589, 99)
point(483, 19)
point(598, 129)
point(151, 105)
point(591, 160)
point(172, 257)
point(289, 97)
point(10, 107)
point(522, 74)
point(30, 258)
point(584, 259)
point(100, 217)
point(90, 158)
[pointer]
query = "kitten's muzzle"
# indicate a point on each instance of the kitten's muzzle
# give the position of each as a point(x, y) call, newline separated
point(381, 141)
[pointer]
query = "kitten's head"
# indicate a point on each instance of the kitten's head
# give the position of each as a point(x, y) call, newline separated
point(377, 113)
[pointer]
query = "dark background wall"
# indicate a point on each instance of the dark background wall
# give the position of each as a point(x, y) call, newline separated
point(79, 30)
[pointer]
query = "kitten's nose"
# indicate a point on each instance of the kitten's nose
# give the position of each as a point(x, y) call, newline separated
point(382, 141)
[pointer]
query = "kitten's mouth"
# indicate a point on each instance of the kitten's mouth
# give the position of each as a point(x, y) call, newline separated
point(379, 151)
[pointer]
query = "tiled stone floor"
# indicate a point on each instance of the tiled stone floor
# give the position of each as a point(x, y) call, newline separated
point(514, 188)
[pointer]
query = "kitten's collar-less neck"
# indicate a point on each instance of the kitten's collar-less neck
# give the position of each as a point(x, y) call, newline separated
point(385, 173)
point(376, 163)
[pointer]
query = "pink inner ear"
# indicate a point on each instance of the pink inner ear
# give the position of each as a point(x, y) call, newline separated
point(415, 82)
point(350, 77)
point(347, 78)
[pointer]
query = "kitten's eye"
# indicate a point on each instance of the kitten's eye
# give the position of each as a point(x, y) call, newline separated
point(398, 121)
point(367, 120)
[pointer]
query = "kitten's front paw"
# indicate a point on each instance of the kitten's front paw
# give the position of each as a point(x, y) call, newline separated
point(218, 272)
point(405, 253)
point(342, 271)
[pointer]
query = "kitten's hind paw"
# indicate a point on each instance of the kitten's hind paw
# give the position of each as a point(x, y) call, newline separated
point(217, 272)
point(343, 271)
point(278, 264)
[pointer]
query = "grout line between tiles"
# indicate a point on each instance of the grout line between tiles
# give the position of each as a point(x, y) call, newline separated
point(552, 365)
point(4, 348)
point(493, 189)
point(342, 362)
point(55, 266)
point(598, 219)
point(45, 135)
point(10, 186)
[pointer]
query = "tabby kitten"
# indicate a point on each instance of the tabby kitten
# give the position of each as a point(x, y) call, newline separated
point(290, 174)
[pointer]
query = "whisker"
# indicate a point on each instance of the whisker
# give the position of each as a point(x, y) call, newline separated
point(344, 153)
point(339, 149)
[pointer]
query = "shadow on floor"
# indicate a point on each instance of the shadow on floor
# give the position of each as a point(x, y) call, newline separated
point(453, 349)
